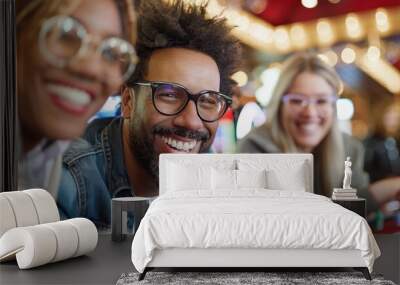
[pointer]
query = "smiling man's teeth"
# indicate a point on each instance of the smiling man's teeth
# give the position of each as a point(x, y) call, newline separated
point(72, 95)
point(179, 145)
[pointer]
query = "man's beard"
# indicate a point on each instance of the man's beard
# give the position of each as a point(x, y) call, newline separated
point(142, 144)
point(142, 147)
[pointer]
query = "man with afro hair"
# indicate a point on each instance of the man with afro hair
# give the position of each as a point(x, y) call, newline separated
point(181, 87)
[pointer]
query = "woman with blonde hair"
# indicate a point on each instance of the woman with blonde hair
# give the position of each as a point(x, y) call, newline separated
point(301, 118)
point(71, 55)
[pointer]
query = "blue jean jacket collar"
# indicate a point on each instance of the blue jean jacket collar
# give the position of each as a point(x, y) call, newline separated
point(105, 135)
point(111, 140)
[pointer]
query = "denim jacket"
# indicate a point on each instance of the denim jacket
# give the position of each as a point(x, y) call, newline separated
point(93, 173)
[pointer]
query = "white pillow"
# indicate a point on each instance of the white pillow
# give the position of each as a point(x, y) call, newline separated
point(251, 179)
point(223, 179)
point(183, 178)
point(278, 180)
point(288, 174)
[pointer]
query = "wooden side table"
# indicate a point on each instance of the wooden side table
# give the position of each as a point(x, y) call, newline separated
point(358, 206)
point(137, 206)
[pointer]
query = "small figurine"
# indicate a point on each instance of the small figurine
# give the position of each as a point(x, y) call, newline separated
point(346, 192)
point(347, 174)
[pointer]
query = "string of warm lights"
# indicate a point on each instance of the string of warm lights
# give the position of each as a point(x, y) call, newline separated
point(318, 33)
point(371, 63)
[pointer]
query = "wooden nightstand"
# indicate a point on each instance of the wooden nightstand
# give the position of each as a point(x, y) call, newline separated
point(358, 206)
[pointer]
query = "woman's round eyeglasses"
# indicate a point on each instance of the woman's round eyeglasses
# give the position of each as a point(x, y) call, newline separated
point(63, 38)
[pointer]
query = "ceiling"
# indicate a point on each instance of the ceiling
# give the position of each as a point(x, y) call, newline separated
point(282, 12)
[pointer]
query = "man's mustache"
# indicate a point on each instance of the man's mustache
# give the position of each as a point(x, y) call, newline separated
point(182, 132)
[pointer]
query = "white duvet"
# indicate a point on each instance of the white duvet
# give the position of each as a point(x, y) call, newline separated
point(253, 218)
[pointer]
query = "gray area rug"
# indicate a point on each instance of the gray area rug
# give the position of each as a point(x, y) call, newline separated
point(229, 278)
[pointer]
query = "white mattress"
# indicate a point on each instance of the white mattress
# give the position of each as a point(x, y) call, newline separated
point(253, 218)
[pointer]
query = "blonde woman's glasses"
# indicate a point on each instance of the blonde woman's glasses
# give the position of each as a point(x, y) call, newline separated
point(298, 101)
point(63, 38)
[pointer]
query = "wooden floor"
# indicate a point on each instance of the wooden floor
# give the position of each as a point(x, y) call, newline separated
point(389, 262)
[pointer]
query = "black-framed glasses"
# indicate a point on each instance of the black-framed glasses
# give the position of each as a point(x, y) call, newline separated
point(63, 38)
point(171, 98)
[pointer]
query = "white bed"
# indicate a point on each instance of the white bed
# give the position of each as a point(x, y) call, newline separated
point(201, 219)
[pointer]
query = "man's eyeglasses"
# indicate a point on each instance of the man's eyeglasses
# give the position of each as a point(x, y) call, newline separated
point(298, 101)
point(171, 98)
point(62, 38)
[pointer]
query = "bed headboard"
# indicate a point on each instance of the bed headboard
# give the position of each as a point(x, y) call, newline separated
point(297, 166)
